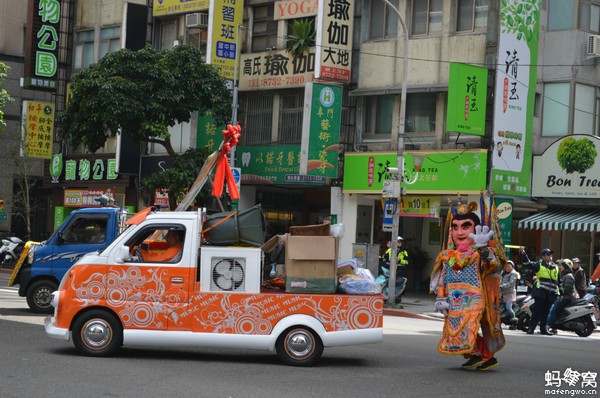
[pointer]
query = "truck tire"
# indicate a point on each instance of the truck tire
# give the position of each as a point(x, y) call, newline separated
point(97, 333)
point(39, 296)
point(299, 346)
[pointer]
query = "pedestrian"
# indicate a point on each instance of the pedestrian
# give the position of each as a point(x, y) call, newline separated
point(567, 292)
point(466, 280)
point(581, 284)
point(402, 258)
point(508, 289)
point(545, 291)
point(596, 274)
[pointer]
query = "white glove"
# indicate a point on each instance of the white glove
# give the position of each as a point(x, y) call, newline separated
point(482, 236)
point(441, 305)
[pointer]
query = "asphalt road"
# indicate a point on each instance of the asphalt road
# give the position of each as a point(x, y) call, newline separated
point(406, 364)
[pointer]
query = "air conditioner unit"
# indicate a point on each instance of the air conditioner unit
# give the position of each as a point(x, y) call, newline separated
point(196, 20)
point(593, 46)
point(230, 269)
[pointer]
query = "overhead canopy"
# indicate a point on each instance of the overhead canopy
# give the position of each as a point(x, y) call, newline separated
point(569, 219)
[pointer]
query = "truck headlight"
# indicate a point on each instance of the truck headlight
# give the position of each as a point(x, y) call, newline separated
point(30, 257)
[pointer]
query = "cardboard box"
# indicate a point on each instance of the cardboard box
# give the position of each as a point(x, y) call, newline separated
point(310, 264)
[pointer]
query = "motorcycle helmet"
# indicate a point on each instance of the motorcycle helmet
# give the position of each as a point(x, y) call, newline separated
point(568, 263)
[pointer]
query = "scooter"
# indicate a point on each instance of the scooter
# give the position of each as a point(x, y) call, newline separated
point(593, 296)
point(12, 248)
point(383, 281)
point(523, 313)
point(577, 317)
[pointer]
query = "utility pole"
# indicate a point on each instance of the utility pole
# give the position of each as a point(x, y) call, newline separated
point(399, 162)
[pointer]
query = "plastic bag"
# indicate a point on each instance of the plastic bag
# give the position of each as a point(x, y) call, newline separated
point(337, 230)
point(361, 281)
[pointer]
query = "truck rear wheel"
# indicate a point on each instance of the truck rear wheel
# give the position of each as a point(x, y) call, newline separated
point(39, 296)
point(97, 333)
point(299, 346)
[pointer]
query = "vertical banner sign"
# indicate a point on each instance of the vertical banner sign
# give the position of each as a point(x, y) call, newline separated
point(335, 21)
point(59, 216)
point(467, 97)
point(223, 40)
point(42, 43)
point(321, 130)
point(516, 76)
point(38, 129)
point(505, 216)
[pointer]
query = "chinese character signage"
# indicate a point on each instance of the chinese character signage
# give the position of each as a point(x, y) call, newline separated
point(170, 7)
point(276, 69)
point(467, 96)
point(514, 97)
point(442, 172)
point(420, 206)
point(288, 9)
point(38, 129)
point(276, 164)
point(208, 134)
point(335, 21)
point(569, 168)
point(321, 130)
point(223, 21)
point(82, 169)
point(42, 43)
point(84, 197)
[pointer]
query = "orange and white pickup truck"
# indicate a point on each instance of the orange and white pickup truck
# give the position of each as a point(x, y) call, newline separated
point(207, 296)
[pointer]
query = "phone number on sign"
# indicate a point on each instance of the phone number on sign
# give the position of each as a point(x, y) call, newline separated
point(276, 81)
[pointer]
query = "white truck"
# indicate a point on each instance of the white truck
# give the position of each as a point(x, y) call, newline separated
point(207, 296)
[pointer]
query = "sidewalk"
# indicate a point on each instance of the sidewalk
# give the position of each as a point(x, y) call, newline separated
point(418, 305)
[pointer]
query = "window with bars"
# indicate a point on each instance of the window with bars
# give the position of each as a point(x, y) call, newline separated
point(290, 118)
point(471, 15)
point(264, 28)
point(426, 17)
point(383, 21)
point(256, 115)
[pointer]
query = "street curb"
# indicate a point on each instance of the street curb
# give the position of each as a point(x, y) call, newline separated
point(408, 314)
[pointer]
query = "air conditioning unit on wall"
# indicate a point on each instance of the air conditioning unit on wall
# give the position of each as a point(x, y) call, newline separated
point(593, 46)
point(196, 20)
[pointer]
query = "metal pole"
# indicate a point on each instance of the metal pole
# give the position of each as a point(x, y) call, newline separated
point(399, 162)
point(234, 102)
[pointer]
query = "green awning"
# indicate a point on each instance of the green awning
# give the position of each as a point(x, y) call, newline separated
point(581, 220)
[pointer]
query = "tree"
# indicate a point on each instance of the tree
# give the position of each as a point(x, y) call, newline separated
point(142, 92)
point(5, 98)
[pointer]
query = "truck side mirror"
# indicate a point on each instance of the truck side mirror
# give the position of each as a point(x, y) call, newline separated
point(60, 239)
point(122, 254)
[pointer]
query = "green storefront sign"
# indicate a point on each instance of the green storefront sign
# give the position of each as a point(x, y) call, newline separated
point(467, 98)
point(443, 172)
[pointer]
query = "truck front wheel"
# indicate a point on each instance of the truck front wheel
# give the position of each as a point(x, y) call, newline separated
point(39, 296)
point(97, 333)
point(299, 346)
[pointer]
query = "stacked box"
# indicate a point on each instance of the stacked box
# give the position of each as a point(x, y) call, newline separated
point(310, 264)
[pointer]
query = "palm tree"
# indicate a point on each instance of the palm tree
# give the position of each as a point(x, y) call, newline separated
point(303, 37)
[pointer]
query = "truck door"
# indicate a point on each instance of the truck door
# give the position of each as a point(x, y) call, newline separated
point(84, 233)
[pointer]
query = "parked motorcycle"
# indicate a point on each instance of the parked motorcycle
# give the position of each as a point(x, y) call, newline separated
point(11, 249)
point(383, 280)
point(523, 313)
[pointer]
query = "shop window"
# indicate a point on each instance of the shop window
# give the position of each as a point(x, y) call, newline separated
point(555, 113)
point(378, 116)
point(290, 118)
point(471, 15)
point(420, 112)
point(264, 28)
point(84, 49)
point(426, 17)
point(256, 118)
point(167, 33)
point(589, 16)
point(560, 14)
point(583, 113)
point(383, 20)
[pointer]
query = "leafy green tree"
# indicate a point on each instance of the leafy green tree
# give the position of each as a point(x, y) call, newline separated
point(5, 98)
point(576, 155)
point(142, 92)
point(178, 178)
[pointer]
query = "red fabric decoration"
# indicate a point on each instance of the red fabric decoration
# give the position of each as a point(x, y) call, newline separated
point(223, 174)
